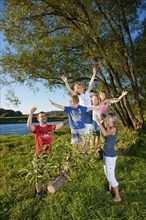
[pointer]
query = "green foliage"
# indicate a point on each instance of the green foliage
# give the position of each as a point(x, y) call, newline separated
point(84, 194)
point(126, 138)
point(9, 112)
point(51, 38)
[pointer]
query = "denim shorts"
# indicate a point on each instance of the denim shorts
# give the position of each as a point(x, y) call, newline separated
point(96, 130)
point(77, 135)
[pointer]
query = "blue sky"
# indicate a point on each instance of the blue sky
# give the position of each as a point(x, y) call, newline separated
point(28, 98)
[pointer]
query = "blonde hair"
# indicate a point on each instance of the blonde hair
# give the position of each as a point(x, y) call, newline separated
point(97, 96)
point(76, 86)
point(103, 91)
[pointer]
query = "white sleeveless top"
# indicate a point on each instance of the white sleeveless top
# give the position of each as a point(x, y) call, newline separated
point(94, 113)
point(84, 99)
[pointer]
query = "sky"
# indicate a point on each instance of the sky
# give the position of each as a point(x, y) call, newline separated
point(39, 99)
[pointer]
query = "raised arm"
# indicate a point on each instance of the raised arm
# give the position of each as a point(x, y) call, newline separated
point(105, 132)
point(64, 79)
point(30, 126)
point(115, 100)
point(57, 105)
point(92, 80)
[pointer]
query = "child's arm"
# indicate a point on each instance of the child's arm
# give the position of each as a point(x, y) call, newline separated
point(92, 80)
point(115, 100)
point(93, 108)
point(64, 79)
point(57, 105)
point(30, 126)
point(61, 124)
point(105, 132)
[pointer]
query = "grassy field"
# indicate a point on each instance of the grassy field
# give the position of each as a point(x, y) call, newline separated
point(84, 195)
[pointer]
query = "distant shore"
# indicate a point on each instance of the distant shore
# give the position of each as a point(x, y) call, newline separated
point(23, 119)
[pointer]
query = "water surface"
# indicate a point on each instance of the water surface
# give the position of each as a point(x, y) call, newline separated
point(17, 129)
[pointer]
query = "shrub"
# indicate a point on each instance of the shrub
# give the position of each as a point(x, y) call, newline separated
point(126, 138)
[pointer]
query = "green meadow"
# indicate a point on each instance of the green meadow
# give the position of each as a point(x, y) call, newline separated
point(84, 194)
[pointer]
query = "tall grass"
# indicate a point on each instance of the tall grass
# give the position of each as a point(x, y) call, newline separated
point(84, 195)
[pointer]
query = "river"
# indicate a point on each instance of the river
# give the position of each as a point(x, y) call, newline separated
point(16, 129)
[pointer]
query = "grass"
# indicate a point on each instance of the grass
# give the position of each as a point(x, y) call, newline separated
point(83, 197)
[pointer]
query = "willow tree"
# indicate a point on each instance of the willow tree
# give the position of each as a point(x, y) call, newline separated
point(52, 37)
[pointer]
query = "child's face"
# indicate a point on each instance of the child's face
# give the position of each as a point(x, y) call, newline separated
point(72, 102)
point(102, 96)
point(80, 89)
point(95, 100)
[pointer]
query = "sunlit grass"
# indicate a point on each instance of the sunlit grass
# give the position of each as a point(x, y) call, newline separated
point(84, 195)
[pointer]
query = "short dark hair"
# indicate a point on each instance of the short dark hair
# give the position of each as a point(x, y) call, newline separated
point(41, 113)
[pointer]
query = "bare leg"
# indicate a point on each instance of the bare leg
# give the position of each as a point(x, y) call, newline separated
point(96, 143)
point(38, 191)
point(117, 197)
point(110, 187)
point(38, 187)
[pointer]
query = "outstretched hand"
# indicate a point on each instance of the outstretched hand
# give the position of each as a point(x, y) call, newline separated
point(98, 119)
point(64, 78)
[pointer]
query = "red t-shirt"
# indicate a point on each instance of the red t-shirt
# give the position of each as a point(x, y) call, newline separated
point(43, 136)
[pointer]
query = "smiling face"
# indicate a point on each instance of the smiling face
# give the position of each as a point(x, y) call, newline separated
point(95, 100)
point(102, 96)
point(42, 118)
point(110, 118)
point(79, 88)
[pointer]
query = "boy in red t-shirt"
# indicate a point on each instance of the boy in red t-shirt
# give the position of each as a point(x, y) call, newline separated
point(43, 136)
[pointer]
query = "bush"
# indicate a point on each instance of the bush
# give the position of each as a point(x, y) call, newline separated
point(126, 138)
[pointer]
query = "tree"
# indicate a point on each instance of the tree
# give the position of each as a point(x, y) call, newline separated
point(54, 37)
point(9, 112)
point(18, 113)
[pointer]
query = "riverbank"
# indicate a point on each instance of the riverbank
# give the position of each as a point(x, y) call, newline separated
point(23, 119)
